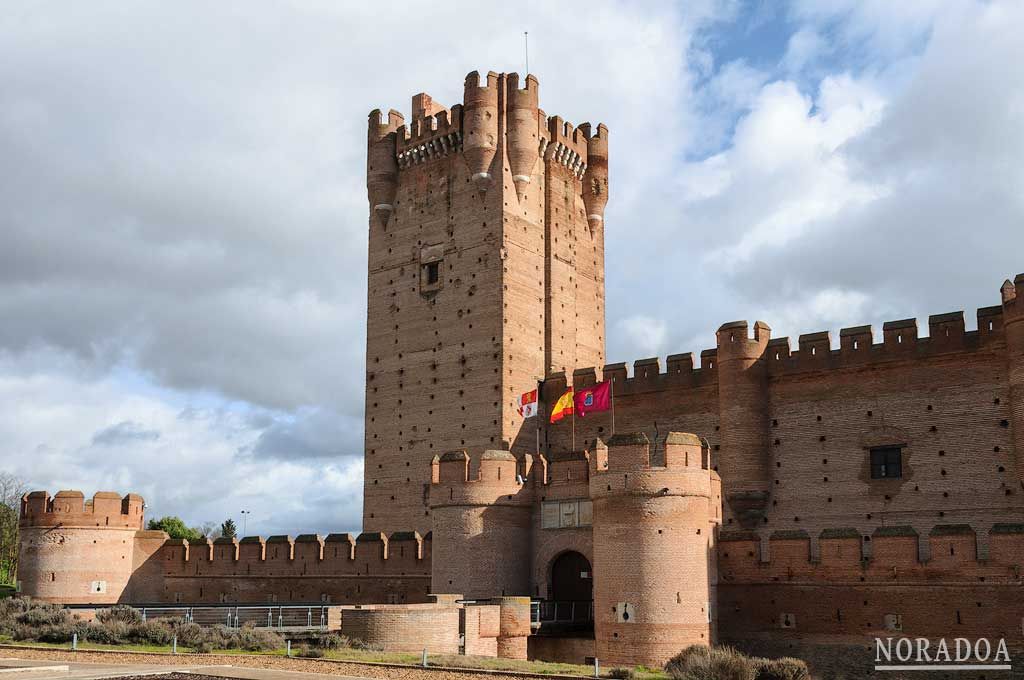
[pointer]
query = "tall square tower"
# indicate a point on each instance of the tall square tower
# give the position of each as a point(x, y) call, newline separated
point(486, 274)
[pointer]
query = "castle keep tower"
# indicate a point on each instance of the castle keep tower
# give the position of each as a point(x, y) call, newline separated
point(654, 549)
point(486, 273)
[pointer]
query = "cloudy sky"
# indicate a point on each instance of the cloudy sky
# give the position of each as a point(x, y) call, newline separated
point(183, 206)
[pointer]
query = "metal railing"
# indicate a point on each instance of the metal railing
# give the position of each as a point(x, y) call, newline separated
point(279, 617)
point(561, 611)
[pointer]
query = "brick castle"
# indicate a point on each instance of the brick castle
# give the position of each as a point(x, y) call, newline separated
point(761, 494)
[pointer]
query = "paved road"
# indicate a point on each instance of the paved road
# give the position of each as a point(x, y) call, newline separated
point(25, 669)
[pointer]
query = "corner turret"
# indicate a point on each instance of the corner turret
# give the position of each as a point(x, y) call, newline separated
point(743, 407)
point(523, 131)
point(381, 164)
point(480, 127)
point(595, 178)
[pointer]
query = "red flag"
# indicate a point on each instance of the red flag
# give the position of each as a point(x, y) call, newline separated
point(596, 398)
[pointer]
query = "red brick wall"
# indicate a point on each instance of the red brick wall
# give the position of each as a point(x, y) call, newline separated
point(521, 288)
point(844, 594)
point(653, 532)
point(77, 551)
point(405, 628)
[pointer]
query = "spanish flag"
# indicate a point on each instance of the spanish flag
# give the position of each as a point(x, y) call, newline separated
point(563, 407)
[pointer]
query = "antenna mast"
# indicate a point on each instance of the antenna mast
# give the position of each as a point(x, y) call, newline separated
point(526, 47)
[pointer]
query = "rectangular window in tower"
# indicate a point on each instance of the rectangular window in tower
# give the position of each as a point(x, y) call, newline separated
point(431, 273)
point(886, 462)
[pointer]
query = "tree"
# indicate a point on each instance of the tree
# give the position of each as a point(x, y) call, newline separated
point(228, 528)
point(12, 489)
point(208, 530)
point(175, 528)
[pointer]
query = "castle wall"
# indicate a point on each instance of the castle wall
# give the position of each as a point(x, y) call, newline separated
point(559, 480)
point(945, 399)
point(78, 552)
point(372, 568)
point(892, 592)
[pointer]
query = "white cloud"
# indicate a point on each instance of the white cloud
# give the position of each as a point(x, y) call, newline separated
point(183, 208)
point(647, 334)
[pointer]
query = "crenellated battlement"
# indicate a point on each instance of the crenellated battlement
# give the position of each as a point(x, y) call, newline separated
point(497, 477)
point(900, 342)
point(70, 508)
point(625, 467)
point(432, 136)
point(886, 554)
point(566, 145)
point(333, 552)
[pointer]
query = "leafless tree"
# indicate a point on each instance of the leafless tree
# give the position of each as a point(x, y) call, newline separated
point(12, 488)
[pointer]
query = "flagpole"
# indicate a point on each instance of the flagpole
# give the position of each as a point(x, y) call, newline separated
point(574, 422)
point(611, 388)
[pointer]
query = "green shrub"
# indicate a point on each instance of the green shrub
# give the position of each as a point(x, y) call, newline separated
point(113, 632)
point(310, 652)
point(356, 643)
point(10, 608)
point(202, 647)
point(253, 640)
point(60, 632)
point(785, 668)
point(221, 637)
point(121, 613)
point(701, 663)
point(152, 633)
point(39, 615)
point(622, 673)
point(190, 634)
point(330, 641)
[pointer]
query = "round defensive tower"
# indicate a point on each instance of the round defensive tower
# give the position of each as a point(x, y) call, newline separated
point(481, 526)
point(743, 407)
point(653, 538)
point(75, 551)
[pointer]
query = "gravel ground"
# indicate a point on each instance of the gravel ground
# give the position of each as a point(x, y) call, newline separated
point(258, 661)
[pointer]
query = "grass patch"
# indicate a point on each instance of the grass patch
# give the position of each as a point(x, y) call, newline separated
point(371, 656)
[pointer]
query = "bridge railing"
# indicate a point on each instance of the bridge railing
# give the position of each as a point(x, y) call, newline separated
point(277, 617)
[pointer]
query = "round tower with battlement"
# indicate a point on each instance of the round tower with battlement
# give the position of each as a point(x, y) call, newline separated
point(480, 127)
point(75, 551)
point(595, 178)
point(481, 526)
point(381, 164)
point(743, 412)
point(1013, 328)
point(654, 542)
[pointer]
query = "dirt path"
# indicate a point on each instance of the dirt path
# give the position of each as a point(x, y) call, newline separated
point(325, 666)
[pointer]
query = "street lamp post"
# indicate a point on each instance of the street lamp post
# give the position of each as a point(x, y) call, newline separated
point(245, 516)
